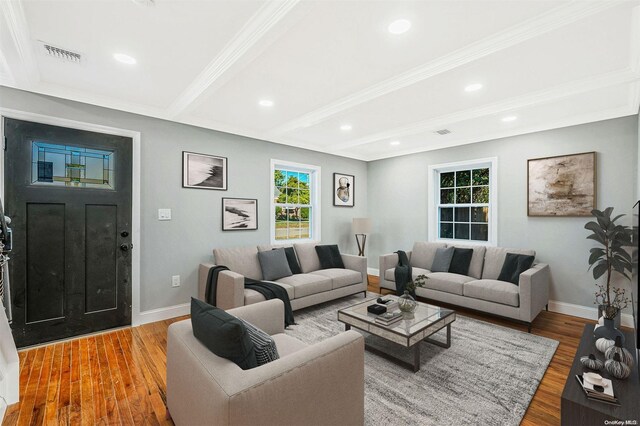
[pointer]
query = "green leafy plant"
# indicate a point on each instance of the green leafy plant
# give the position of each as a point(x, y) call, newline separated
point(420, 281)
point(609, 258)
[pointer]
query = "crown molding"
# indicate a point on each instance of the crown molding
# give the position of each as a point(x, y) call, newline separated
point(535, 98)
point(258, 25)
point(19, 30)
point(551, 20)
point(566, 122)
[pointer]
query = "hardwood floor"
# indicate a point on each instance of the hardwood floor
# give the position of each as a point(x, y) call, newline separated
point(119, 377)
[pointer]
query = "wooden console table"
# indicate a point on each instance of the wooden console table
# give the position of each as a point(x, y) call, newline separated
point(577, 410)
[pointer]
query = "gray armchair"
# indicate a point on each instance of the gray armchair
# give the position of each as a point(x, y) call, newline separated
point(321, 383)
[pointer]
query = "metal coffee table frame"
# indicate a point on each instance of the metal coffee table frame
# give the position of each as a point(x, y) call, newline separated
point(405, 333)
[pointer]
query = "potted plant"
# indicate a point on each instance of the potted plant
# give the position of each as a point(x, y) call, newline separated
point(611, 257)
point(406, 302)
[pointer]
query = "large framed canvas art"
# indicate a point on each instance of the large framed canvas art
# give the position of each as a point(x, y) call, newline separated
point(562, 186)
point(204, 171)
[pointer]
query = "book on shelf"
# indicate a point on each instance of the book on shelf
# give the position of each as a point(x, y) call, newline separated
point(607, 395)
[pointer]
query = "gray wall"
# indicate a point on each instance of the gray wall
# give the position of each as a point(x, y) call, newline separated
point(398, 197)
point(178, 246)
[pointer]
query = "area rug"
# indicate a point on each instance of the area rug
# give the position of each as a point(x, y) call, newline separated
point(487, 377)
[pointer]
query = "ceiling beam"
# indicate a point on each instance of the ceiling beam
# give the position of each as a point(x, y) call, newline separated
point(257, 26)
point(573, 88)
point(551, 20)
point(19, 30)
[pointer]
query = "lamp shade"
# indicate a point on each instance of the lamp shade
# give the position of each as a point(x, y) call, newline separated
point(361, 225)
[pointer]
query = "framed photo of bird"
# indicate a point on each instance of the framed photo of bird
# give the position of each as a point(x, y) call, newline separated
point(343, 190)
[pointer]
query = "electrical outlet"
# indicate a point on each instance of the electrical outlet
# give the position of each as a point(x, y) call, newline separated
point(175, 281)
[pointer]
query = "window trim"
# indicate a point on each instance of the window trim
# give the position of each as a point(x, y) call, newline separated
point(315, 178)
point(432, 194)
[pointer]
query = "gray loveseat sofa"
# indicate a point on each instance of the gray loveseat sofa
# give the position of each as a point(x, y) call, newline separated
point(313, 286)
point(480, 289)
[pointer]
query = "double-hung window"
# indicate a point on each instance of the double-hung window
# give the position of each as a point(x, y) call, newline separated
point(295, 207)
point(463, 201)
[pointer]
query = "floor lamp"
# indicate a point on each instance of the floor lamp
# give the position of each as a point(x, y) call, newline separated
point(361, 226)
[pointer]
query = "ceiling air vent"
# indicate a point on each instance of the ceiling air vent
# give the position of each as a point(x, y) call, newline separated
point(443, 132)
point(64, 54)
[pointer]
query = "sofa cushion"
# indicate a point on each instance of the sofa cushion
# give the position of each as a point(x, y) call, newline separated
point(493, 291)
point(423, 253)
point(287, 345)
point(460, 261)
point(494, 259)
point(274, 264)
point(307, 257)
point(442, 259)
point(307, 284)
point(329, 256)
point(447, 282)
point(288, 251)
point(341, 277)
point(223, 334)
point(243, 260)
point(263, 344)
point(477, 260)
point(514, 265)
point(389, 274)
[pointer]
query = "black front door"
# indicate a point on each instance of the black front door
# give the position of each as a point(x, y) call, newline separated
point(68, 194)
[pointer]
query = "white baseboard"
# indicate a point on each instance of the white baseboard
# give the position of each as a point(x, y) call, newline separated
point(587, 312)
point(161, 314)
point(373, 271)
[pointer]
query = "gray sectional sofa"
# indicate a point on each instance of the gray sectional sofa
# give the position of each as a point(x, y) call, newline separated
point(480, 289)
point(314, 285)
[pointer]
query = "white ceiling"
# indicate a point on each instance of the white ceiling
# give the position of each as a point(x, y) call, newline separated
point(329, 63)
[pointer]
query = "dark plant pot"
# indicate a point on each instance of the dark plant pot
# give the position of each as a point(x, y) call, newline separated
point(608, 331)
point(616, 320)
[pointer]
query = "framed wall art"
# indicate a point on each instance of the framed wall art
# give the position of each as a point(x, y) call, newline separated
point(204, 171)
point(343, 190)
point(239, 214)
point(562, 186)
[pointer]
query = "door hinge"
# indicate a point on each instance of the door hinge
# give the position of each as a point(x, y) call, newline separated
point(5, 144)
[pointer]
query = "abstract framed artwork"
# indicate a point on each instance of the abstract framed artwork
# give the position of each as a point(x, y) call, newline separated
point(204, 171)
point(343, 190)
point(239, 214)
point(564, 185)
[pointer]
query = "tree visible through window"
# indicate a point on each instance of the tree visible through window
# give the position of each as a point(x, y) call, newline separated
point(293, 206)
point(464, 204)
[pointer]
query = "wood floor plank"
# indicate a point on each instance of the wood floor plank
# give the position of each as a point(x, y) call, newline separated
point(119, 377)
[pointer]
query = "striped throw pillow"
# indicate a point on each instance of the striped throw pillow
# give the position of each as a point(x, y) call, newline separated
point(265, 346)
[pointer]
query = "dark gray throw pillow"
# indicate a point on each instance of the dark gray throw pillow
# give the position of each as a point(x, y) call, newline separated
point(223, 334)
point(513, 266)
point(442, 259)
point(460, 261)
point(264, 344)
point(292, 259)
point(329, 256)
point(274, 264)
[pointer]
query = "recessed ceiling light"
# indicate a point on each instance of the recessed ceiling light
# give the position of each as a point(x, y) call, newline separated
point(509, 118)
point(399, 26)
point(473, 87)
point(266, 103)
point(125, 59)
point(394, 143)
point(346, 127)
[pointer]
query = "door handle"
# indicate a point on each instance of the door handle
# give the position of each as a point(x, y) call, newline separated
point(124, 234)
point(124, 247)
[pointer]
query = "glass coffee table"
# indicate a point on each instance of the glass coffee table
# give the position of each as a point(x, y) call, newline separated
point(406, 333)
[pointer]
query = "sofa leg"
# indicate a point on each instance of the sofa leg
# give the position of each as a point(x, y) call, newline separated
point(364, 294)
point(546, 307)
point(529, 327)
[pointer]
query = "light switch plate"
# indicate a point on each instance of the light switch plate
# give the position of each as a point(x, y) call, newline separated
point(164, 214)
